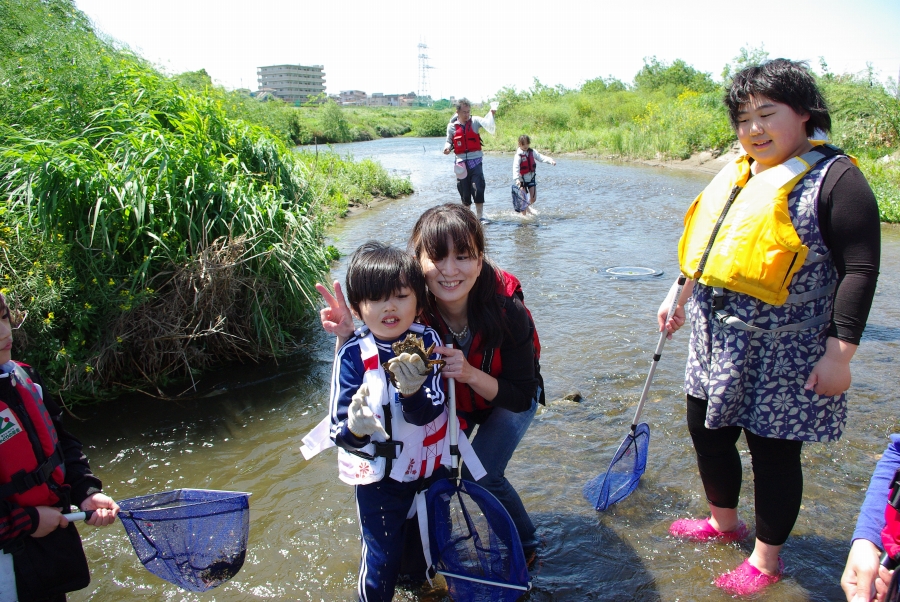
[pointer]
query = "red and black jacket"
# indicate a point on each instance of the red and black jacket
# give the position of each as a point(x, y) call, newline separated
point(518, 383)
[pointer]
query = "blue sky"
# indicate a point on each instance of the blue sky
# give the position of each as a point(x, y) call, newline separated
point(372, 46)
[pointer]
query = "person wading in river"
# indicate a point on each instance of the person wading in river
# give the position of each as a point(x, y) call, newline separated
point(783, 247)
point(464, 140)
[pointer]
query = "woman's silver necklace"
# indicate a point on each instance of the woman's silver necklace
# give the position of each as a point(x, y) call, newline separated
point(457, 335)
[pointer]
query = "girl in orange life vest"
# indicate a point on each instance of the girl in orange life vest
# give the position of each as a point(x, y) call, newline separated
point(778, 372)
point(42, 471)
point(524, 166)
point(464, 140)
point(494, 360)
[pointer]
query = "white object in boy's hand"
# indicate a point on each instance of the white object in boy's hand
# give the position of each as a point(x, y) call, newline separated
point(409, 372)
point(360, 419)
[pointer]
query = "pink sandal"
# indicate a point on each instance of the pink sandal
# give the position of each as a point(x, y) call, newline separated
point(747, 580)
point(699, 529)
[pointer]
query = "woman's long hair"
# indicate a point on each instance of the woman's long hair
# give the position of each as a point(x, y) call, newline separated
point(432, 236)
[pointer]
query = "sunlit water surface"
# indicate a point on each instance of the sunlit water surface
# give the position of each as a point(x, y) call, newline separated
point(598, 335)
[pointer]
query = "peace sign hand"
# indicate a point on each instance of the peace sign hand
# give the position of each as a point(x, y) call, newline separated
point(336, 317)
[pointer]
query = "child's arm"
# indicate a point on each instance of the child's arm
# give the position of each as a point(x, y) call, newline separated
point(86, 487)
point(346, 379)
point(16, 522)
point(542, 158)
point(517, 174)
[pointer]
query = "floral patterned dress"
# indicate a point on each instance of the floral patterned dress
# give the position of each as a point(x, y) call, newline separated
point(755, 379)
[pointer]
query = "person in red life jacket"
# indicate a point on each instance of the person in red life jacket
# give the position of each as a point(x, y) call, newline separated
point(781, 284)
point(464, 139)
point(495, 359)
point(42, 472)
point(864, 577)
point(525, 166)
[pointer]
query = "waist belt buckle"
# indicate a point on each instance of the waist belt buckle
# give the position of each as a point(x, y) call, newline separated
point(718, 302)
point(388, 449)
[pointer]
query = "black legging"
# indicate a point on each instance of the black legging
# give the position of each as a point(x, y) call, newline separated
point(777, 474)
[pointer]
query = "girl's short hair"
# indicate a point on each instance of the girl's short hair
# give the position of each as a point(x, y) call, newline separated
point(377, 271)
point(784, 81)
point(453, 226)
point(524, 139)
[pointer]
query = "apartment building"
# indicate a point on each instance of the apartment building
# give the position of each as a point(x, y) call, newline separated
point(379, 99)
point(353, 97)
point(292, 83)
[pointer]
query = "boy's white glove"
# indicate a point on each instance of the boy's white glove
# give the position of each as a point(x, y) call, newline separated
point(408, 372)
point(360, 419)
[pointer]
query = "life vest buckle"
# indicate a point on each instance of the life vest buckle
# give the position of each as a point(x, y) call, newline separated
point(388, 449)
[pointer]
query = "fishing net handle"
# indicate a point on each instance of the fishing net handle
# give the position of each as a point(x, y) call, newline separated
point(658, 353)
point(76, 516)
point(454, 423)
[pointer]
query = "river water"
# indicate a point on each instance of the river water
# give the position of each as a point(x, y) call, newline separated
point(597, 333)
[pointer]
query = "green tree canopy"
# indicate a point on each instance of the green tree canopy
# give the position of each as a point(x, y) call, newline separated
point(672, 79)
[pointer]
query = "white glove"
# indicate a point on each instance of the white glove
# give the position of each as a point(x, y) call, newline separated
point(360, 419)
point(408, 372)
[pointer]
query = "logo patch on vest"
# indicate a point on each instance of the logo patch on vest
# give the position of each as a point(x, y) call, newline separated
point(9, 426)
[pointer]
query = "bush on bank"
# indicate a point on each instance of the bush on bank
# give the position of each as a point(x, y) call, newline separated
point(147, 234)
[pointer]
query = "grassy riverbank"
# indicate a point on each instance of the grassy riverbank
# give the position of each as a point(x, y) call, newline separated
point(147, 232)
point(671, 112)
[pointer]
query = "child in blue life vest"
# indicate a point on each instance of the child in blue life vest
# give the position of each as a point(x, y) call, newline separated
point(42, 471)
point(387, 414)
point(524, 167)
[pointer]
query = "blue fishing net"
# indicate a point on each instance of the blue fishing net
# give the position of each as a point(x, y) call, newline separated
point(624, 472)
point(474, 544)
point(519, 198)
point(194, 538)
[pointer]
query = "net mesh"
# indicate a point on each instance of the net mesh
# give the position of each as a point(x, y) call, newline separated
point(194, 538)
point(472, 535)
point(624, 472)
point(519, 200)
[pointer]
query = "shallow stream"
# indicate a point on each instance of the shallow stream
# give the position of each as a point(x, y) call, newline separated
point(598, 333)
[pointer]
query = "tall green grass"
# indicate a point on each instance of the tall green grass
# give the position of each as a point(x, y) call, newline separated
point(149, 234)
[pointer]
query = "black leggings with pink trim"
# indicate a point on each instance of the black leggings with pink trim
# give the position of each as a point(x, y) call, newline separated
point(777, 473)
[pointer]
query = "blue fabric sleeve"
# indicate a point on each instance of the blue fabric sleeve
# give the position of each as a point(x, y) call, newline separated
point(871, 514)
point(346, 378)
